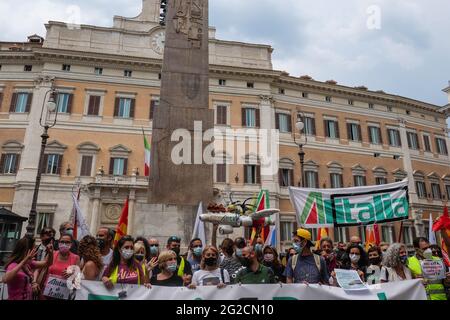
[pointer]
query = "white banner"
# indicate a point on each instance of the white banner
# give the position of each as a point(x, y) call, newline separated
point(402, 290)
point(318, 208)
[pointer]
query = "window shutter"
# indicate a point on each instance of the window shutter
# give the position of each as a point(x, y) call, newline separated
point(280, 177)
point(359, 133)
point(2, 163)
point(389, 137)
point(44, 164)
point(316, 174)
point(152, 106)
point(289, 123)
point(116, 107)
point(380, 135)
point(132, 107)
point(313, 126)
point(258, 122)
point(341, 178)
point(125, 167)
point(86, 166)
point(91, 105)
point(397, 133)
point(29, 101)
point(111, 166)
point(245, 174)
point(326, 129)
point(258, 175)
point(365, 181)
point(12, 107)
point(416, 136)
point(331, 180)
point(277, 121)
point(369, 129)
point(16, 164)
point(1, 100)
point(224, 115)
point(69, 103)
point(244, 117)
point(58, 170)
point(349, 131)
point(291, 174)
point(337, 129)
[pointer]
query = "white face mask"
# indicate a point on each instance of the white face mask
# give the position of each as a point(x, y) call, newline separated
point(355, 258)
point(428, 254)
point(127, 253)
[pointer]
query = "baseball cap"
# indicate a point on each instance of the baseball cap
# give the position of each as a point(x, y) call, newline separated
point(305, 234)
point(173, 239)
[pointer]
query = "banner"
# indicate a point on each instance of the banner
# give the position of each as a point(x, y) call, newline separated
point(402, 290)
point(316, 208)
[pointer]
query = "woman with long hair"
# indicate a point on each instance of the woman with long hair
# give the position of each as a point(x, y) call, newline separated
point(20, 267)
point(270, 259)
point(210, 274)
point(357, 260)
point(92, 262)
point(146, 245)
point(394, 264)
point(124, 268)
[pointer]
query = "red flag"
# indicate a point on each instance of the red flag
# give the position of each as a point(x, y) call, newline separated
point(443, 222)
point(377, 234)
point(122, 227)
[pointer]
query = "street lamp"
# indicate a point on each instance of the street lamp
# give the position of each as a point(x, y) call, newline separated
point(45, 121)
point(300, 126)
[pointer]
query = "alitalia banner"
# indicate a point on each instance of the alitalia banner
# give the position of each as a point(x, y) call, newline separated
point(316, 208)
point(401, 290)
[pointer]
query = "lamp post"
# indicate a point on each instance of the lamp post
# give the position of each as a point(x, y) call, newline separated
point(45, 122)
point(300, 126)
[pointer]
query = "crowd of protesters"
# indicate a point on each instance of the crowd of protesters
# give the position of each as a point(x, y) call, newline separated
point(146, 262)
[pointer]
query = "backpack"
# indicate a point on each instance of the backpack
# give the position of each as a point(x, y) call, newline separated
point(316, 260)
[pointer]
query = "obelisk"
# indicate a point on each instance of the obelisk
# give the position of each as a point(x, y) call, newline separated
point(184, 103)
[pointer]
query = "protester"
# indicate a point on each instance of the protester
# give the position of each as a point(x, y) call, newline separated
point(91, 259)
point(254, 272)
point(394, 264)
point(19, 269)
point(341, 255)
point(355, 240)
point(383, 247)
point(123, 268)
point(240, 244)
point(374, 269)
point(326, 245)
point(152, 264)
point(304, 266)
point(195, 254)
point(67, 228)
point(168, 276)
point(259, 246)
point(146, 245)
point(436, 250)
point(230, 262)
point(139, 256)
point(210, 273)
point(62, 259)
point(435, 288)
point(357, 260)
point(184, 269)
point(105, 238)
point(47, 236)
point(271, 261)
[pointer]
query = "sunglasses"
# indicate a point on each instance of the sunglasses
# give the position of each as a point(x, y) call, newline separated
point(154, 245)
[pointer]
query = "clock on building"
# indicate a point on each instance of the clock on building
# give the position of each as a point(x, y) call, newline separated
point(157, 41)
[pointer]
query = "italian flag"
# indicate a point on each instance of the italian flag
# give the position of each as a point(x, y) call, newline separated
point(147, 155)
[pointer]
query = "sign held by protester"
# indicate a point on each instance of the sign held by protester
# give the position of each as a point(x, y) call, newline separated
point(57, 288)
point(316, 208)
point(433, 269)
point(349, 280)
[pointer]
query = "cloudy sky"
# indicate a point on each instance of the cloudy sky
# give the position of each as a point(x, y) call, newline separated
point(399, 46)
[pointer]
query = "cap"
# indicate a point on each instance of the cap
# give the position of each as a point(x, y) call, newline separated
point(173, 239)
point(303, 233)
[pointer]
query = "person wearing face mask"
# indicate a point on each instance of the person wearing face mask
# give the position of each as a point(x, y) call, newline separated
point(357, 260)
point(184, 269)
point(124, 269)
point(210, 273)
point(435, 288)
point(341, 254)
point(253, 271)
point(105, 237)
point(230, 262)
point(240, 244)
point(304, 266)
point(47, 236)
point(168, 276)
point(374, 269)
point(326, 245)
point(270, 260)
point(140, 256)
point(63, 258)
point(259, 246)
point(195, 254)
point(394, 264)
point(67, 228)
point(146, 245)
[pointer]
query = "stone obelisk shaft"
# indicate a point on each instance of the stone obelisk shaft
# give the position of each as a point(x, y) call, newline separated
point(184, 100)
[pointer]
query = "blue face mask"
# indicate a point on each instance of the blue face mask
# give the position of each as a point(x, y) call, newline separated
point(197, 251)
point(404, 260)
point(172, 267)
point(297, 247)
point(238, 252)
point(154, 250)
point(258, 247)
